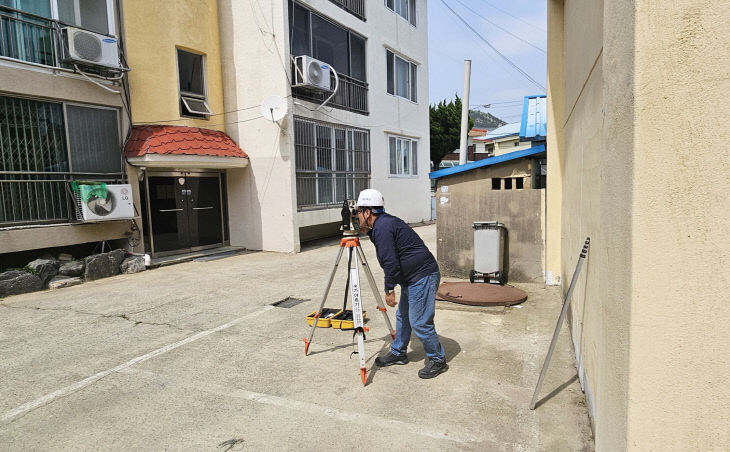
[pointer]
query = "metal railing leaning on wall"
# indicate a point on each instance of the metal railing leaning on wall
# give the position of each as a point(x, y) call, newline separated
point(352, 95)
point(332, 162)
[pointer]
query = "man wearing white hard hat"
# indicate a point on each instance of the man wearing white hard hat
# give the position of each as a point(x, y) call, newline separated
point(406, 262)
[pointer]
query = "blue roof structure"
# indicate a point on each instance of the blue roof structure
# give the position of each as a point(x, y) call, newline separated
point(487, 162)
point(534, 118)
point(500, 132)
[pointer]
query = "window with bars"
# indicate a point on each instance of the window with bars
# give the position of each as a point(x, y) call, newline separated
point(38, 157)
point(332, 162)
point(403, 156)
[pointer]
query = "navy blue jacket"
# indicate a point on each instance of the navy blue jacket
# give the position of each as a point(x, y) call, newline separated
point(401, 252)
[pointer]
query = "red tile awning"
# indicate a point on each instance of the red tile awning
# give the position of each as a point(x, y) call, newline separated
point(163, 145)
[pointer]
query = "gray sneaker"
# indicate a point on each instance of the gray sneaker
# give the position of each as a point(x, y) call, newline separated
point(389, 359)
point(433, 368)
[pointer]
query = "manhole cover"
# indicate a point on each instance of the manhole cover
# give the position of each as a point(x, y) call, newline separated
point(480, 294)
point(288, 302)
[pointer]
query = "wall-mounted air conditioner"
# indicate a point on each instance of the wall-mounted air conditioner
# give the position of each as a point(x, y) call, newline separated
point(116, 206)
point(91, 49)
point(311, 73)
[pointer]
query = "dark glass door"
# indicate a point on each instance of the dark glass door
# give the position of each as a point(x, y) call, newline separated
point(184, 211)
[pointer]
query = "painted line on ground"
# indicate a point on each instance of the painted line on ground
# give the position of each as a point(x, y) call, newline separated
point(48, 398)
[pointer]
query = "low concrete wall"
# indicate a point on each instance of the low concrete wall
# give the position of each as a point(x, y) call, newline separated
point(32, 238)
point(468, 197)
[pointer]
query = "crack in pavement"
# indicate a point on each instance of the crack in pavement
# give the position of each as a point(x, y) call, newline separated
point(96, 314)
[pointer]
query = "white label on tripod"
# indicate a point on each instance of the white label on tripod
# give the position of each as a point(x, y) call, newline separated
point(356, 298)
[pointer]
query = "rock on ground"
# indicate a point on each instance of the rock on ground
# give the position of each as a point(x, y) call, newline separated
point(134, 264)
point(73, 268)
point(63, 281)
point(103, 265)
point(46, 268)
point(15, 282)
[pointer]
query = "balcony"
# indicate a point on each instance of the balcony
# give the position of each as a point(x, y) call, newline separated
point(27, 37)
point(354, 7)
point(351, 95)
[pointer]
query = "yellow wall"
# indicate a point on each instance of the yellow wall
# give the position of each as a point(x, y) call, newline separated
point(639, 153)
point(152, 31)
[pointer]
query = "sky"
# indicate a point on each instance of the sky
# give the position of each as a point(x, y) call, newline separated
point(493, 80)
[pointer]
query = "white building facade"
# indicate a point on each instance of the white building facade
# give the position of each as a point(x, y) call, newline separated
point(374, 132)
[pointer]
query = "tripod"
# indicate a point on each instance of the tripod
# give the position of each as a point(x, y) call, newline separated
point(355, 251)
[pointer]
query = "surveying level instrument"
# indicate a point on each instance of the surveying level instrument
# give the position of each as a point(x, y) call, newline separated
point(351, 242)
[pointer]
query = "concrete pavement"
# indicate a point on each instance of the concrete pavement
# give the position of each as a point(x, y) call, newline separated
point(195, 357)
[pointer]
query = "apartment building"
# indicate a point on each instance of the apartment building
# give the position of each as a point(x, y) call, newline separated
point(371, 132)
point(63, 117)
point(178, 155)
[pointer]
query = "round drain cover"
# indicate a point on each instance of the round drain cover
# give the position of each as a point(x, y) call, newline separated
point(480, 294)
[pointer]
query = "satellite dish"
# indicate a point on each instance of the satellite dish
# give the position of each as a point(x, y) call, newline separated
point(274, 108)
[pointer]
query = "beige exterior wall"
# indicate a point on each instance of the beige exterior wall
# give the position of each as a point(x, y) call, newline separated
point(638, 149)
point(153, 30)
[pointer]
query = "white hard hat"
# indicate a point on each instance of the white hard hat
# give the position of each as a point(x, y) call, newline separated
point(370, 198)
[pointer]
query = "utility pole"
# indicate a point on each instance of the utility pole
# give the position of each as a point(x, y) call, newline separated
point(465, 114)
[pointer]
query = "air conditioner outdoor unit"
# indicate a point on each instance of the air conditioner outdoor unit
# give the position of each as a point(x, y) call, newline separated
point(311, 73)
point(116, 206)
point(87, 48)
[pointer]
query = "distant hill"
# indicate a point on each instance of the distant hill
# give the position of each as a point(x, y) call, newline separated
point(485, 120)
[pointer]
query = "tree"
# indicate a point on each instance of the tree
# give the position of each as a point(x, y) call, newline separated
point(445, 119)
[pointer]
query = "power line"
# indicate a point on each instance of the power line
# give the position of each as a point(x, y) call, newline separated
point(504, 30)
point(517, 68)
point(514, 17)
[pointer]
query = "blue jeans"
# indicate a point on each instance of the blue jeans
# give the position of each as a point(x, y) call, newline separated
point(415, 313)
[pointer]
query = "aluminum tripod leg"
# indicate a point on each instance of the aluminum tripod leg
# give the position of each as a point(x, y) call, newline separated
point(324, 298)
point(566, 305)
point(376, 292)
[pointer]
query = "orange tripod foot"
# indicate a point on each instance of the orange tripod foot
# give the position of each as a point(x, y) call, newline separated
point(306, 346)
point(364, 375)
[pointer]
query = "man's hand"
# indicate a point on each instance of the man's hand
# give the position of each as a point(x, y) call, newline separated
point(390, 299)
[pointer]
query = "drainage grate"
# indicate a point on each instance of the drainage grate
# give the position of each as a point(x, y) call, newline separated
point(288, 302)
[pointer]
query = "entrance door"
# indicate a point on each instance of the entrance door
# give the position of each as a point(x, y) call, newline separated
point(184, 211)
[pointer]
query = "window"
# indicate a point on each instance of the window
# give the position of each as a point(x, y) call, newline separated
point(402, 76)
point(332, 162)
point(496, 183)
point(45, 144)
point(191, 76)
point(519, 183)
point(403, 156)
point(314, 35)
point(93, 138)
point(89, 14)
point(404, 8)
point(508, 183)
point(93, 15)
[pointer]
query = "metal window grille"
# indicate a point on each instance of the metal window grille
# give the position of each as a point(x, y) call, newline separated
point(34, 163)
point(332, 162)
